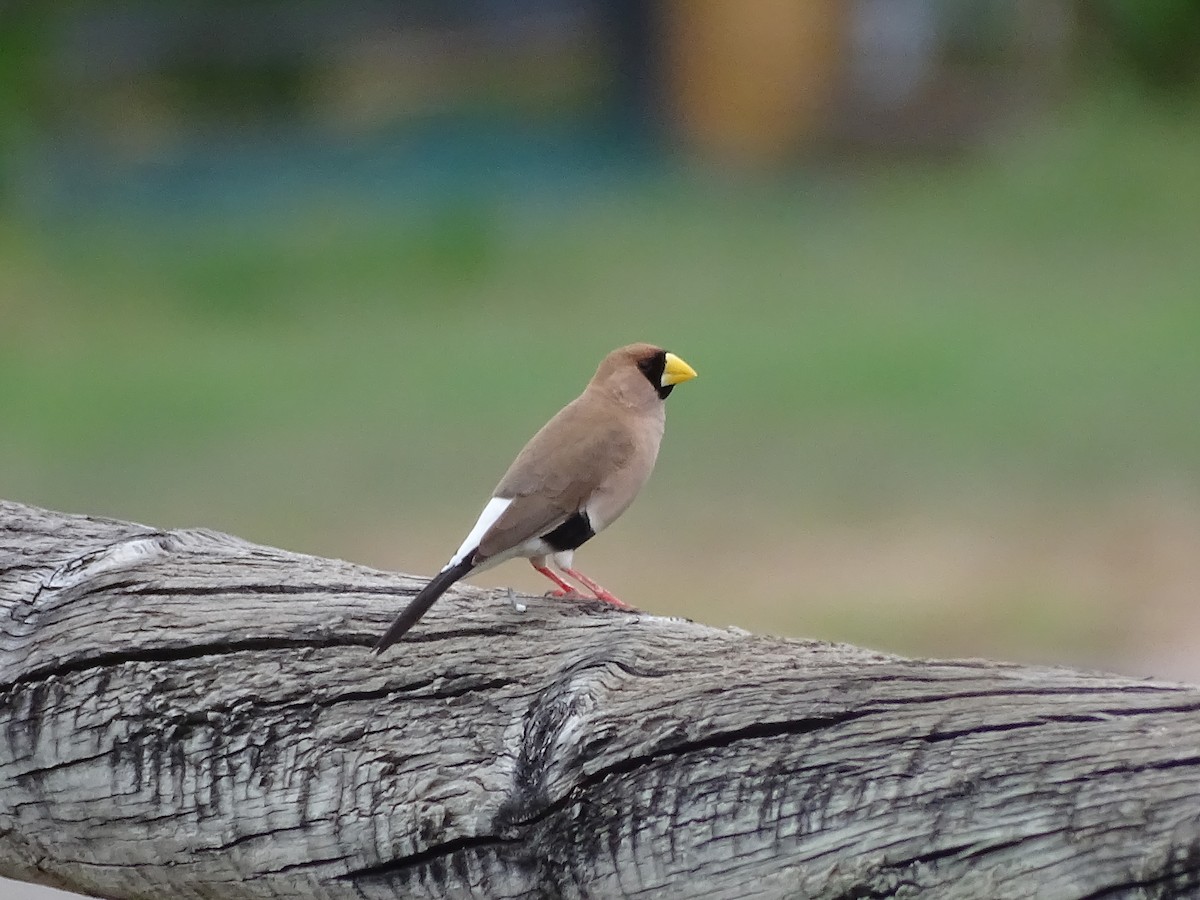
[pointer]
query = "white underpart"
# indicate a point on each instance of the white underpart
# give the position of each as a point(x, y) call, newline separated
point(596, 518)
point(562, 560)
point(534, 549)
point(494, 509)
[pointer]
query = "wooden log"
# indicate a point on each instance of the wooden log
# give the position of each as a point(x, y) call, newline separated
point(188, 715)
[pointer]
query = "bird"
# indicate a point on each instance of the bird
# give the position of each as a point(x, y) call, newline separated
point(570, 482)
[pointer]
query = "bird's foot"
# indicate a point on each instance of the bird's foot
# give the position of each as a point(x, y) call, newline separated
point(612, 600)
point(565, 593)
point(597, 591)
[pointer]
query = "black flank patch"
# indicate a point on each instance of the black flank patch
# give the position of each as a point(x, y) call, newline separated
point(572, 533)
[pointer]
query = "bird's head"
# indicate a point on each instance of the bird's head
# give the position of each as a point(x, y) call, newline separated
point(630, 370)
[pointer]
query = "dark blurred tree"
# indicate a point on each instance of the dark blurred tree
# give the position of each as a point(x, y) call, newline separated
point(1158, 40)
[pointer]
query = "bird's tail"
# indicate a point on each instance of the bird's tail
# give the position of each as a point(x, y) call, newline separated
point(425, 598)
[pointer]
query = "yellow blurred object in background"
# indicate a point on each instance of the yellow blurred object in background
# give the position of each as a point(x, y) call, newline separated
point(750, 82)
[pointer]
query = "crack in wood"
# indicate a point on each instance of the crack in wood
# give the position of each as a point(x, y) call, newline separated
point(755, 731)
point(468, 687)
point(268, 589)
point(116, 658)
point(23, 567)
point(1022, 691)
point(433, 636)
point(438, 853)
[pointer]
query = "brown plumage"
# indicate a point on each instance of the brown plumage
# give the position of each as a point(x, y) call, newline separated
point(572, 480)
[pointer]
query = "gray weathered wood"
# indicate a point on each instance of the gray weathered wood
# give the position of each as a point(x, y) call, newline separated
point(188, 715)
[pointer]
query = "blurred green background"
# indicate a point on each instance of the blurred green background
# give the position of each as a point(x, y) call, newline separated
point(311, 273)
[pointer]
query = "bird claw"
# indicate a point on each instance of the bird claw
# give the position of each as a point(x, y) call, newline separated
point(602, 595)
point(605, 597)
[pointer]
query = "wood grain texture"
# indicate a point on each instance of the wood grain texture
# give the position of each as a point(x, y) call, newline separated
point(188, 715)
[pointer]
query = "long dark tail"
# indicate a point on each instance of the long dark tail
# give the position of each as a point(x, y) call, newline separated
point(420, 604)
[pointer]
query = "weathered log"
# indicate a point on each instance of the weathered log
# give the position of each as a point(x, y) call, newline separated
point(185, 714)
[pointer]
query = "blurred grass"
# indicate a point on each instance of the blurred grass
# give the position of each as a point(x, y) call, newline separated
point(1017, 328)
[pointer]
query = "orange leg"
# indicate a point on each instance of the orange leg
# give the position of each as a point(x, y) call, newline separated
point(601, 593)
point(564, 589)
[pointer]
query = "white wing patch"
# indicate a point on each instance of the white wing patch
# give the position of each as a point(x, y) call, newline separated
point(494, 509)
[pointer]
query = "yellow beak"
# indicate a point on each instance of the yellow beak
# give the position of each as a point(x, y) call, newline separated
point(676, 371)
